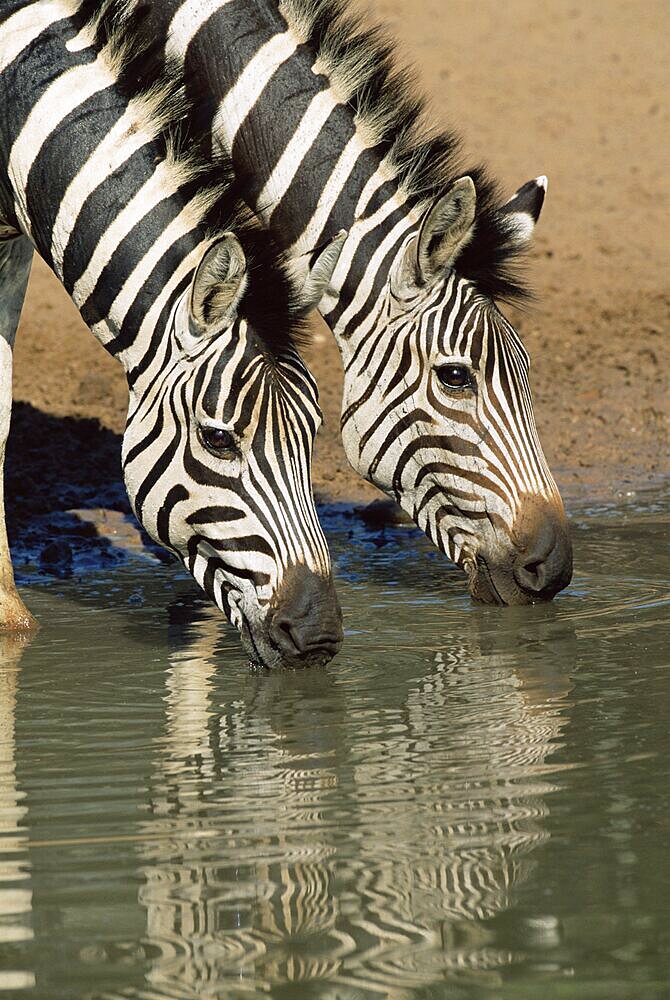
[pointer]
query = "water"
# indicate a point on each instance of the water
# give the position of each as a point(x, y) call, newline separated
point(467, 803)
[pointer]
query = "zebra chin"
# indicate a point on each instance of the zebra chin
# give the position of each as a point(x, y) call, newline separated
point(498, 585)
point(300, 627)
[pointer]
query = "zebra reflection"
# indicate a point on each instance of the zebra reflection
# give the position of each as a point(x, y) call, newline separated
point(365, 857)
point(15, 891)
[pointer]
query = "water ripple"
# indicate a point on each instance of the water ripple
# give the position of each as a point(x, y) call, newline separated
point(463, 800)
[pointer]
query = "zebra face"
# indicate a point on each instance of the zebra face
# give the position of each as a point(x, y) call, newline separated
point(217, 457)
point(445, 426)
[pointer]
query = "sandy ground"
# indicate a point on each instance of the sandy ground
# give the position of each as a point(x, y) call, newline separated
point(573, 91)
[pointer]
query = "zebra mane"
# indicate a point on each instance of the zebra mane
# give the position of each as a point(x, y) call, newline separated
point(153, 82)
point(361, 64)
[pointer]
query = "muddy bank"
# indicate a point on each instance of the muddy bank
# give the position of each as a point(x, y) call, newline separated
point(573, 93)
point(59, 472)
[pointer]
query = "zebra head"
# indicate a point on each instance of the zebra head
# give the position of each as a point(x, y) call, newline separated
point(438, 412)
point(217, 456)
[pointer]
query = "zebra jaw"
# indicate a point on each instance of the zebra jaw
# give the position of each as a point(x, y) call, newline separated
point(247, 624)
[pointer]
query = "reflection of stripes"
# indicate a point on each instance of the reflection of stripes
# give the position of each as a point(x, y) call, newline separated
point(371, 870)
point(16, 894)
point(327, 135)
point(95, 170)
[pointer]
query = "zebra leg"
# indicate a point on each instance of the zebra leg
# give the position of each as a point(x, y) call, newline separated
point(15, 259)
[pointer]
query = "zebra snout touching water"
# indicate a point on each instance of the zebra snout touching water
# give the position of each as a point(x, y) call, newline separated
point(543, 565)
point(530, 564)
point(305, 597)
point(446, 425)
point(99, 173)
point(216, 460)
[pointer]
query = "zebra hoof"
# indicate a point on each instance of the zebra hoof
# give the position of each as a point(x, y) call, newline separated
point(14, 615)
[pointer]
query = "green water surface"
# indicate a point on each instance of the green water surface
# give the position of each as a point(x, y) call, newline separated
point(467, 803)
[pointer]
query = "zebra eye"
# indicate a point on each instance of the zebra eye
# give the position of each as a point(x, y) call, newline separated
point(454, 376)
point(217, 441)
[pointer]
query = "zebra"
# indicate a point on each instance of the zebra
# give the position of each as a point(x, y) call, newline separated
point(326, 134)
point(100, 174)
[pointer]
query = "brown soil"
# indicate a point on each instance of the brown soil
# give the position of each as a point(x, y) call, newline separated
point(573, 91)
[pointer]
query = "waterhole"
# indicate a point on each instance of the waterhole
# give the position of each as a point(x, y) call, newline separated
point(467, 802)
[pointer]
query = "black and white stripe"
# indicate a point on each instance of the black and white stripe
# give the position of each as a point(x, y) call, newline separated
point(326, 135)
point(99, 172)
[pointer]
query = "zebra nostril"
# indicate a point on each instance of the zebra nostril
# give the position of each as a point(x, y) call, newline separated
point(531, 575)
point(546, 565)
point(286, 636)
point(299, 646)
point(297, 639)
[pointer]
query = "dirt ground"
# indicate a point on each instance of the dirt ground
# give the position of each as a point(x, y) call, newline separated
point(576, 91)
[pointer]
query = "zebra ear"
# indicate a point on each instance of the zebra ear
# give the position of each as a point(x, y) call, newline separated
point(218, 284)
point(522, 211)
point(445, 229)
point(320, 273)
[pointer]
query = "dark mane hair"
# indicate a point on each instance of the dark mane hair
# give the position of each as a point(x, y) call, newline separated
point(361, 62)
point(146, 74)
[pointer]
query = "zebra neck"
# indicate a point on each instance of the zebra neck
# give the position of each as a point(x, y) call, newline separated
point(126, 297)
point(310, 169)
point(89, 181)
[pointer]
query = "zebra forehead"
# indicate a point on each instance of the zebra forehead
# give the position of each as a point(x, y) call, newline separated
point(456, 321)
point(453, 319)
point(237, 381)
point(510, 341)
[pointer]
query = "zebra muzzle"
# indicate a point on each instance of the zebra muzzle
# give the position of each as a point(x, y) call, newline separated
point(536, 564)
point(305, 620)
point(543, 566)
